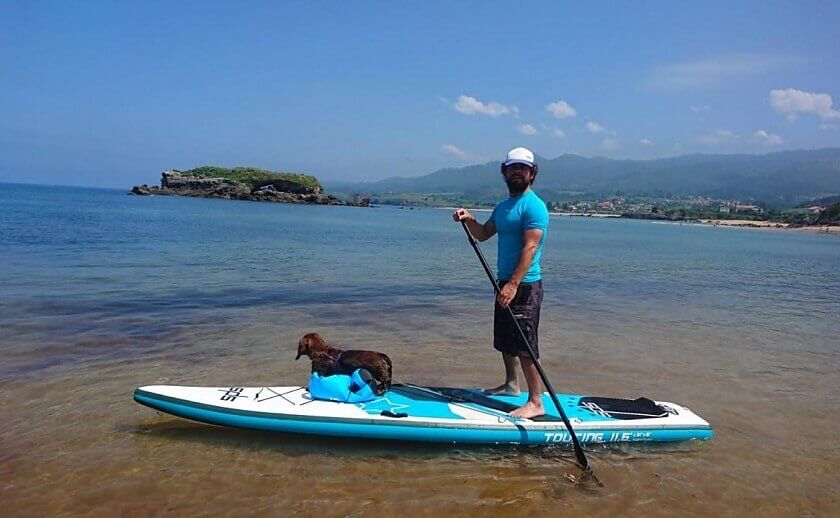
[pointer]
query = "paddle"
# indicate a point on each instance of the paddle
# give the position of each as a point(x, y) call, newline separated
point(581, 457)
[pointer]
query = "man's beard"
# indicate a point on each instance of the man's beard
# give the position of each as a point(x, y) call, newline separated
point(517, 185)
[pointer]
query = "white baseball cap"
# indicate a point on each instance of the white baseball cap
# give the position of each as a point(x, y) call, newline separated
point(520, 155)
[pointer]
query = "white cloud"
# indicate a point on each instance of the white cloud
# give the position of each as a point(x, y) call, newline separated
point(791, 102)
point(825, 126)
point(454, 151)
point(646, 142)
point(698, 109)
point(609, 144)
point(526, 129)
point(471, 106)
point(720, 136)
point(558, 133)
point(561, 109)
point(712, 71)
point(594, 127)
point(766, 139)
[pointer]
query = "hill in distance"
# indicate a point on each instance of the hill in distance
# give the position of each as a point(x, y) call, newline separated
point(780, 179)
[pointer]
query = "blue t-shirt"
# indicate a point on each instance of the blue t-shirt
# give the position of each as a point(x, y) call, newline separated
point(512, 218)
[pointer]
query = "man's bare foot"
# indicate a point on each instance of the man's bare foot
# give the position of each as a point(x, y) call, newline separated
point(529, 410)
point(505, 389)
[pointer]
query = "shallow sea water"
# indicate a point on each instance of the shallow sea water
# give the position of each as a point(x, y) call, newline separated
point(102, 292)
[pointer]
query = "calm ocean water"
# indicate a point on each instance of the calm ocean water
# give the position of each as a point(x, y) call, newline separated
point(102, 292)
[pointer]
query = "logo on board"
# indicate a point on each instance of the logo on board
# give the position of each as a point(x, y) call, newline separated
point(230, 394)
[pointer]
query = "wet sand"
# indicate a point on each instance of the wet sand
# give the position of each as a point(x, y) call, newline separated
point(74, 442)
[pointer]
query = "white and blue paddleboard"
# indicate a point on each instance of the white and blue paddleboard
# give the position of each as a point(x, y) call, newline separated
point(429, 414)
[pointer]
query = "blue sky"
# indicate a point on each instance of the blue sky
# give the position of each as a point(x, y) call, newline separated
point(110, 94)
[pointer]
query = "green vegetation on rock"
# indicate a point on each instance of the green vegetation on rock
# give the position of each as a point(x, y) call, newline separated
point(256, 178)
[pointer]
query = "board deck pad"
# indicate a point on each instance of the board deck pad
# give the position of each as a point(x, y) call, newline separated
point(430, 414)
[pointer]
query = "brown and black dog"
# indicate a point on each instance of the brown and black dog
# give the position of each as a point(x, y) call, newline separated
point(328, 360)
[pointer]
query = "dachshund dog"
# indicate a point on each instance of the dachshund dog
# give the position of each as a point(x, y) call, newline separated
point(327, 360)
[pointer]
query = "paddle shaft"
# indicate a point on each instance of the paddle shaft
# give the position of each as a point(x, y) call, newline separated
point(581, 457)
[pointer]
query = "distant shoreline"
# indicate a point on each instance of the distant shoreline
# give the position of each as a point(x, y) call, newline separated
point(729, 223)
point(766, 225)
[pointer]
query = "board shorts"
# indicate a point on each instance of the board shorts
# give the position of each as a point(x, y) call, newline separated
point(526, 309)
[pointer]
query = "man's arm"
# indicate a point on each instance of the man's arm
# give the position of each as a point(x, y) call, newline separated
point(531, 243)
point(481, 232)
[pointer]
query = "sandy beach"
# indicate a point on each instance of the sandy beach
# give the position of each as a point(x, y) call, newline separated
point(746, 223)
point(742, 223)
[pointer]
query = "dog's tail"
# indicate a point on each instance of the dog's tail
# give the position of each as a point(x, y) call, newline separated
point(386, 385)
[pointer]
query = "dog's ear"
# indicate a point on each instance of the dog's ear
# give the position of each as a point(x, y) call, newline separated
point(302, 347)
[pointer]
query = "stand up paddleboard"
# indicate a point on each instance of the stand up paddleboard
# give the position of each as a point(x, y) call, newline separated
point(429, 414)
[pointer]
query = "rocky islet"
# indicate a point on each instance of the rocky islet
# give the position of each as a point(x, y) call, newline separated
point(273, 187)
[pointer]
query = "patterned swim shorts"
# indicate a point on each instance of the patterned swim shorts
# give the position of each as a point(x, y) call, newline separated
point(526, 309)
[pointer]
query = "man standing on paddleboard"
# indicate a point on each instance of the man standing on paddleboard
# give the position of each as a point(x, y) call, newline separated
point(521, 222)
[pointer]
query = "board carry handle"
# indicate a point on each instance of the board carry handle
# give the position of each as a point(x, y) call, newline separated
point(388, 413)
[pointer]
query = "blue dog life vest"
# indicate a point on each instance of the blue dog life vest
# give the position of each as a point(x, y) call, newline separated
point(341, 387)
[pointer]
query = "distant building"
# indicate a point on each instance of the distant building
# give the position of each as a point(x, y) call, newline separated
point(748, 209)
